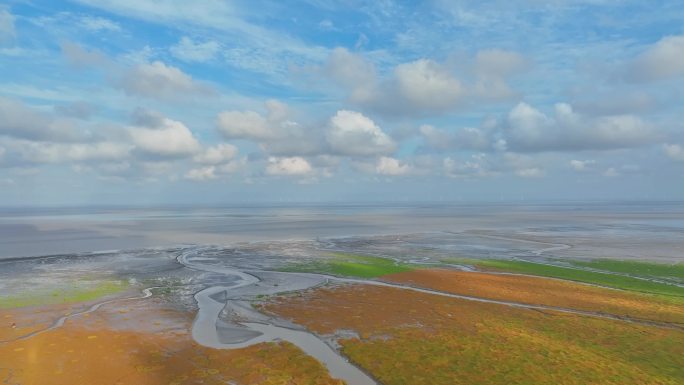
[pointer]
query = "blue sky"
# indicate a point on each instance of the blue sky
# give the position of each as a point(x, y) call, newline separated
point(155, 102)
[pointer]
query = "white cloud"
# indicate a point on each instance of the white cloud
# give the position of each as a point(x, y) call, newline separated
point(167, 139)
point(489, 165)
point(528, 129)
point(254, 126)
point(351, 133)
point(326, 25)
point(674, 151)
point(157, 80)
point(232, 166)
point(79, 56)
point(466, 138)
point(221, 153)
point(217, 161)
point(245, 125)
point(493, 67)
point(437, 138)
point(7, 30)
point(190, 51)
point(476, 166)
point(27, 122)
point(581, 165)
point(615, 102)
point(276, 132)
point(424, 86)
point(352, 71)
point(521, 165)
point(294, 166)
point(45, 152)
point(255, 47)
point(532, 172)
point(202, 173)
point(611, 172)
point(391, 166)
point(97, 24)
point(427, 84)
point(663, 60)
point(498, 62)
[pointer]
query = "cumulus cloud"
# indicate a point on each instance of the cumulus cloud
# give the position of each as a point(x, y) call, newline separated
point(391, 166)
point(424, 86)
point(611, 172)
point(215, 162)
point(166, 138)
point(674, 151)
point(246, 125)
point(498, 62)
point(532, 172)
point(7, 30)
point(159, 81)
point(528, 129)
point(347, 133)
point(191, 51)
point(353, 134)
point(581, 165)
point(481, 165)
point(276, 131)
point(663, 60)
point(521, 165)
point(616, 102)
point(216, 171)
point(78, 109)
point(202, 173)
point(493, 67)
point(351, 70)
point(46, 152)
point(22, 121)
point(221, 153)
point(292, 166)
point(232, 166)
point(251, 125)
point(475, 166)
point(428, 85)
point(468, 138)
point(81, 57)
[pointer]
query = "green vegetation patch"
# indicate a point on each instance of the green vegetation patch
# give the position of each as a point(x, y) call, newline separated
point(605, 279)
point(75, 292)
point(673, 271)
point(352, 265)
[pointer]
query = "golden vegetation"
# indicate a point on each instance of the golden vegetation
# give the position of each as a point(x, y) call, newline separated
point(147, 345)
point(544, 291)
point(415, 338)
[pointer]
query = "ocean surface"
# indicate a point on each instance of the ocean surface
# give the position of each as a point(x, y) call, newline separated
point(47, 231)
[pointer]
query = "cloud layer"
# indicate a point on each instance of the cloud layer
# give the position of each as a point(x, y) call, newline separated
point(341, 99)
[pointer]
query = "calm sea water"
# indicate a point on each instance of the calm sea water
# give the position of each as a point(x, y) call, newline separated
point(45, 231)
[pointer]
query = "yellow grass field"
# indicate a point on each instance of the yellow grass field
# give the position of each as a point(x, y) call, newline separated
point(142, 344)
point(544, 291)
point(415, 338)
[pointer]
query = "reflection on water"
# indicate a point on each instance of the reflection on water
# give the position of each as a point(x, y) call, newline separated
point(34, 231)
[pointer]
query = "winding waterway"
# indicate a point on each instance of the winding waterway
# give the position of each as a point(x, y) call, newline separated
point(205, 328)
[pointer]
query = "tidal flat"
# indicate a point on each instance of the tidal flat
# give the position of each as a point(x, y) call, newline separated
point(400, 295)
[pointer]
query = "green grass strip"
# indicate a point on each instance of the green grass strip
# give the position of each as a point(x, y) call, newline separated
point(75, 293)
point(604, 279)
point(638, 268)
point(352, 265)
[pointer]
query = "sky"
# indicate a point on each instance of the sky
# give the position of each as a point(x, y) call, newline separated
point(148, 102)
